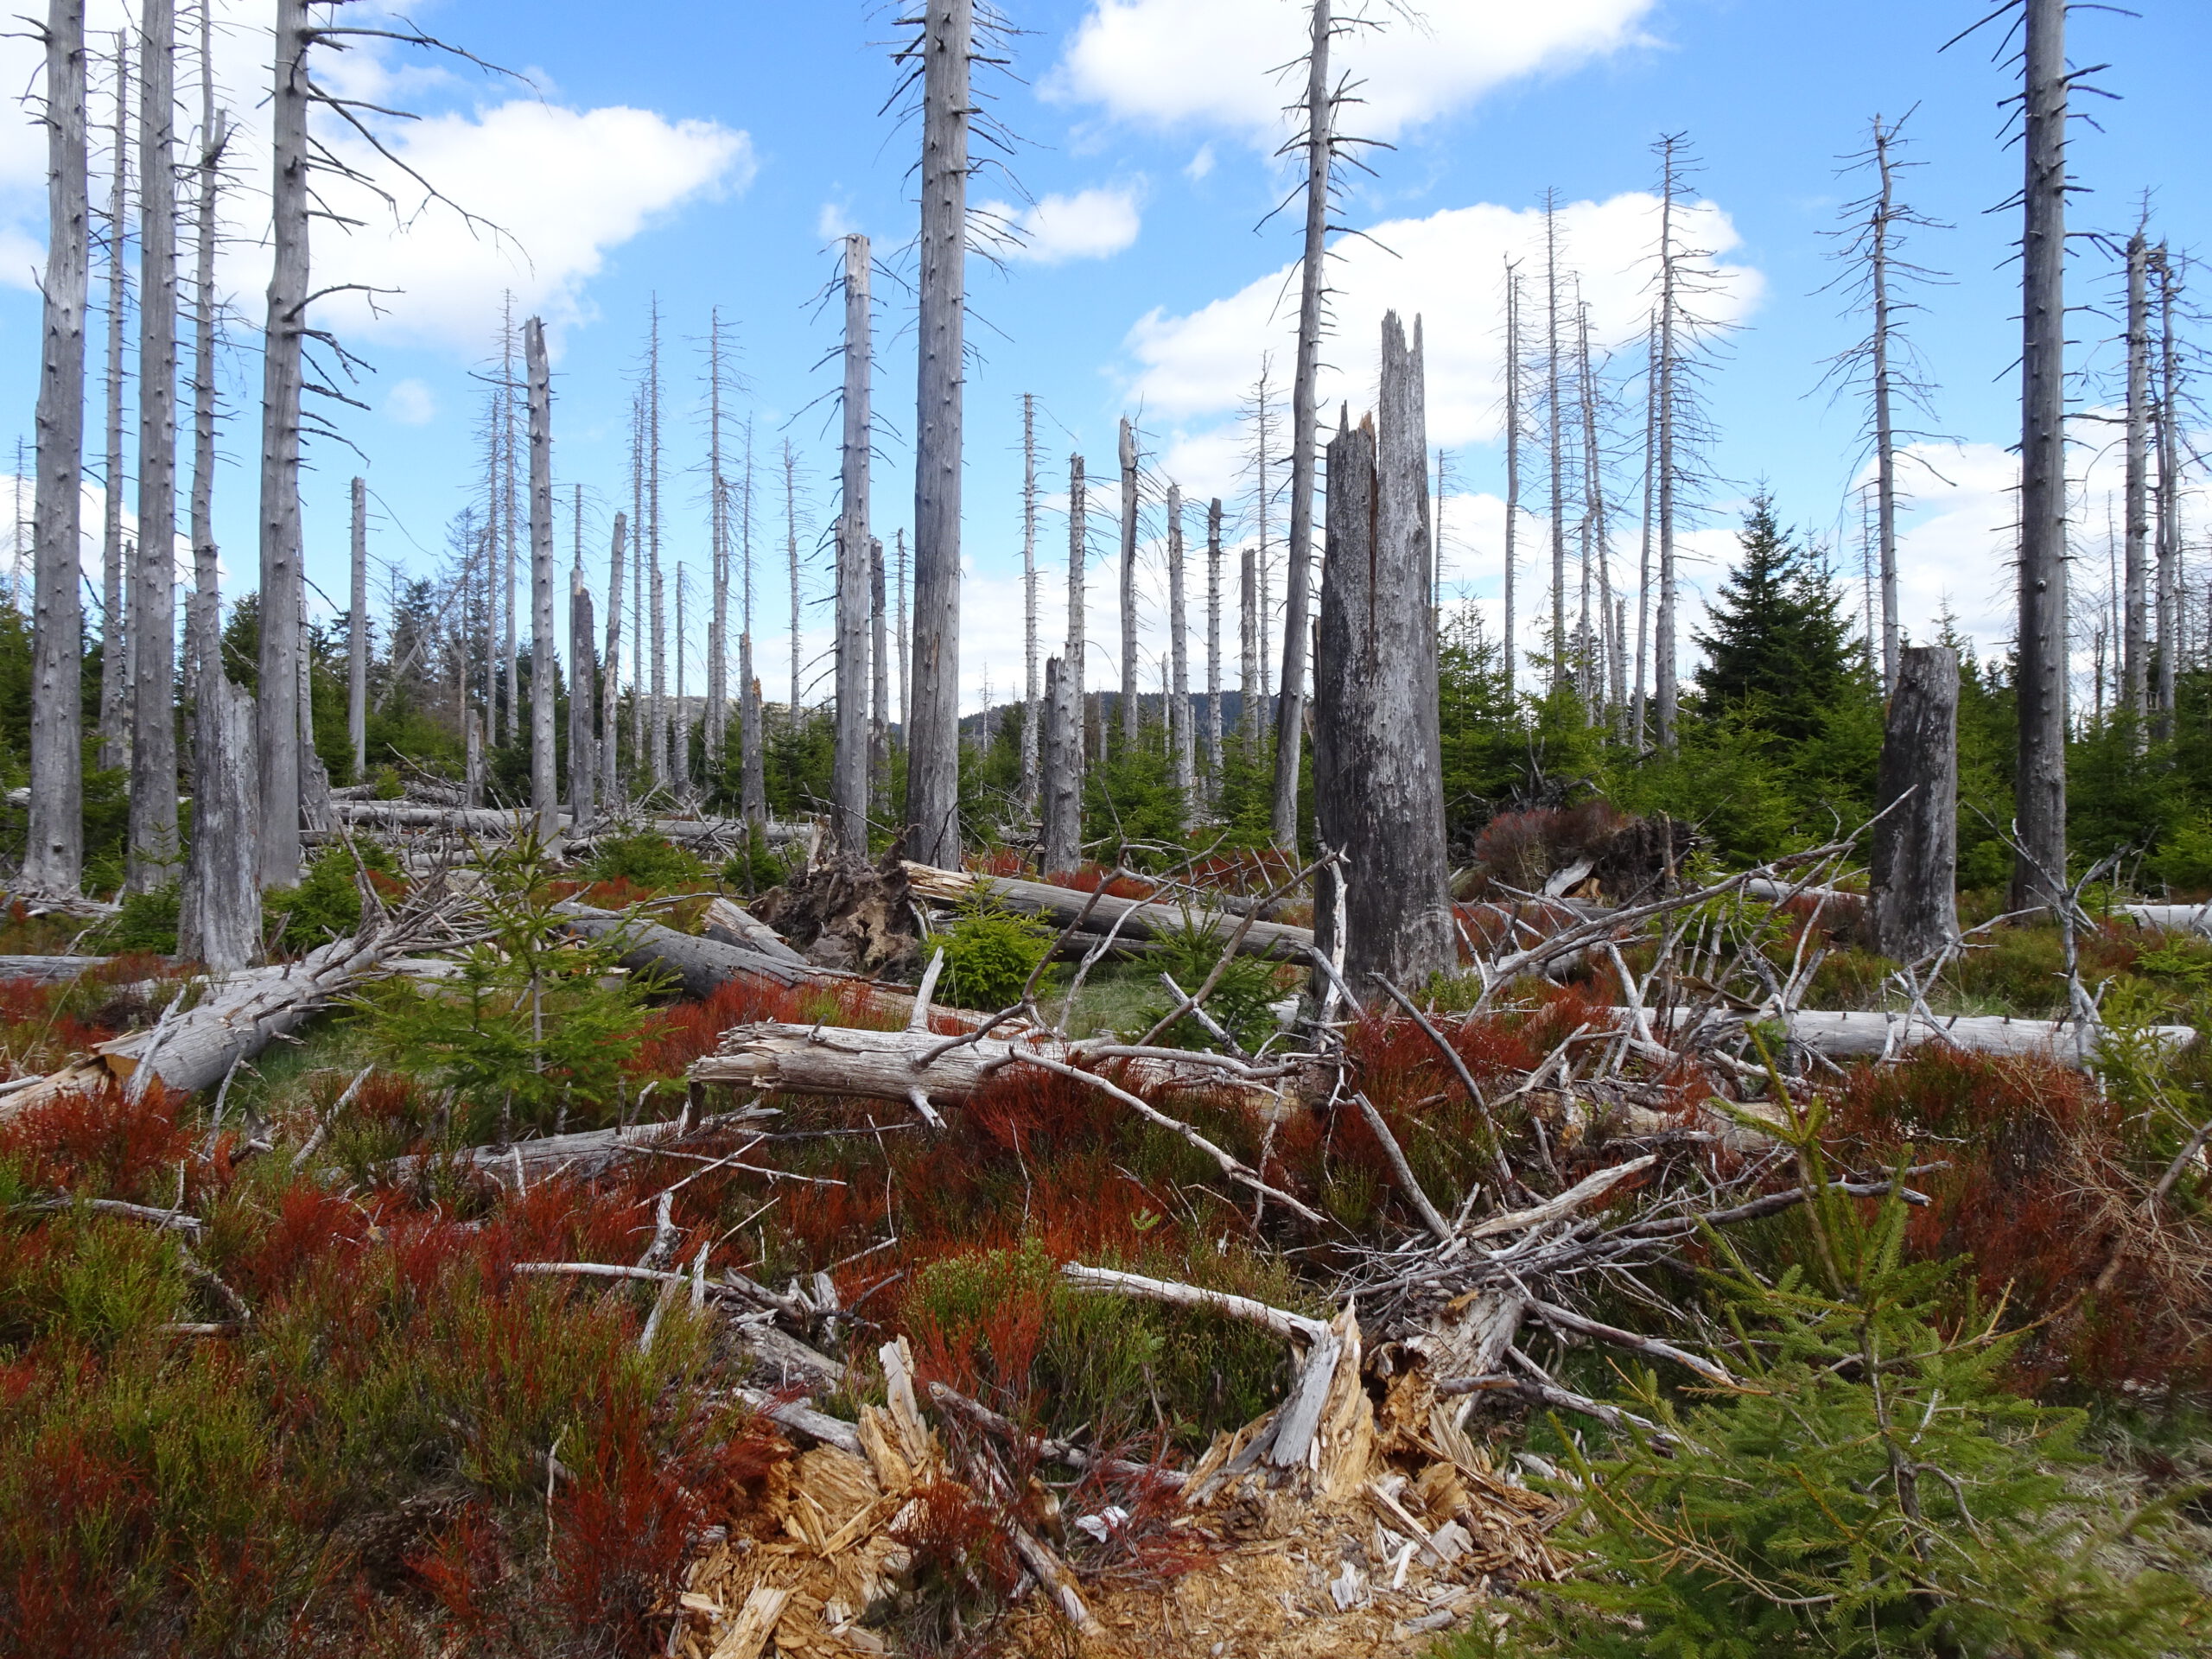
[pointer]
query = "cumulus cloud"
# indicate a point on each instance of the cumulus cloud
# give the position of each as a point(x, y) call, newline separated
point(1164, 63)
point(1094, 224)
point(410, 403)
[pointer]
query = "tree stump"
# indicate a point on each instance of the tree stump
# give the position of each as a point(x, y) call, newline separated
point(1917, 787)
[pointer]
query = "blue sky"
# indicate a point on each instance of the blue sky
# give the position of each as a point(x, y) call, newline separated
point(707, 155)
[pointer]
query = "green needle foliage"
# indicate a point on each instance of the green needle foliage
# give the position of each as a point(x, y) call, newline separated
point(1873, 1490)
point(990, 953)
point(534, 1031)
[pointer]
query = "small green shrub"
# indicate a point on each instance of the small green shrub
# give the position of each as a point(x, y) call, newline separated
point(327, 904)
point(648, 861)
point(757, 866)
point(1239, 1000)
point(143, 921)
point(990, 953)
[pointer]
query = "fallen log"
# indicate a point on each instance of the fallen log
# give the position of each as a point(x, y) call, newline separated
point(2197, 918)
point(494, 820)
point(733, 923)
point(1139, 919)
point(49, 970)
point(1855, 1035)
point(583, 1153)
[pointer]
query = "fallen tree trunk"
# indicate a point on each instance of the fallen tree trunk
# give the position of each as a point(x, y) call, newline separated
point(901, 1065)
point(1855, 1035)
point(2195, 918)
point(49, 970)
point(733, 923)
point(586, 1153)
point(1139, 919)
point(491, 820)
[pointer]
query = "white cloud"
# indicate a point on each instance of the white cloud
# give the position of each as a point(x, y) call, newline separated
point(833, 221)
point(21, 259)
point(410, 403)
point(1093, 224)
point(1167, 62)
point(1446, 270)
point(1200, 164)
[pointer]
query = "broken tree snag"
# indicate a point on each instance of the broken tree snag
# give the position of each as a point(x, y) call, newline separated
point(1378, 778)
point(1145, 919)
point(1059, 845)
point(1916, 794)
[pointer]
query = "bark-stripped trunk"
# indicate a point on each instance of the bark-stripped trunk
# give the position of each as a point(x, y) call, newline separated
point(282, 332)
point(1597, 547)
point(1132, 667)
point(718, 719)
point(2169, 629)
point(848, 783)
point(1290, 709)
point(1640, 723)
point(933, 744)
point(583, 761)
point(656, 720)
point(544, 770)
point(1032, 711)
point(1079, 598)
point(1213, 651)
point(752, 739)
point(115, 633)
point(1555, 450)
point(1885, 447)
point(1060, 843)
point(153, 608)
point(357, 634)
point(1377, 760)
point(510, 651)
point(1182, 746)
point(1916, 862)
point(879, 667)
point(610, 680)
point(54, 854)
point(1512, 466)
point(1664, 663)
point(2135, 635)
point(2039, 871)
point(639, 702)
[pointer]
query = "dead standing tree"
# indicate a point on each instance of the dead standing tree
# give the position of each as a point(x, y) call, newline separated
point(544, 774)
point(1030, 709)
point(2135, 633)
point(848, 787)
point(357, 631)
point(1917, 797)
point(1384, 907)
point(1131, 691)
point(54, 854)
point(115, 651)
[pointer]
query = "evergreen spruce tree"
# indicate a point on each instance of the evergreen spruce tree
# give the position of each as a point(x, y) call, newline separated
point(1779, 647)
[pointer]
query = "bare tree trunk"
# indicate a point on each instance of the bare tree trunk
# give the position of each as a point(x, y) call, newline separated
point(219, 909)
point(1917, 839)
point(1059, 844)
point(1290, 709)
point(849, 771)
point(2171, 644)
point(1254, 717)
point(1597, 551)
point(511, 654)
point(1643, 730)
point(115, 633)
point(879, 662)
point(1663, 665)
point(1885, 446)
point(153, 637)
point(751, 739)
point(1377, 763)
point(583, 761)
point(1213, 651)
point(357, 635)
point(2135, 640)
point(1556, 450)
point(933, 745)
point(640, 703)
point(610, 677)
point(1248, 625)
point(718, 516)
point(656, 720)
point(1182, 746)
point(1078, 551)
point(790, 553)
point(1032, 710)
point(1506, 649)
point(544, 770)
point(2039, 871)
point(1132, 672)
point(472, 758)
point(54, 853)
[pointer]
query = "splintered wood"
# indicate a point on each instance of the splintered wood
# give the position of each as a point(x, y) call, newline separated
point(1391, 1525)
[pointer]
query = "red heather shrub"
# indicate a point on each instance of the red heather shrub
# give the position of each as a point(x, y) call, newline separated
point(100, 1145)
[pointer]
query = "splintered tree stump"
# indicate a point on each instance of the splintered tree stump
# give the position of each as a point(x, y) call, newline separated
point(1916, 860)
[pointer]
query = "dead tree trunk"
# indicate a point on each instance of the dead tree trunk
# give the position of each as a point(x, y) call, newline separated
point(933, 745)
point(583, 762)
point(848, 789)
point(1183, 748)
point(54, 853)
point(1377, 760)
point(1663, 397)
point(511, 652)
point(1079, 602)
point(901, 638)
point(657, 714)
point(2135, 633)
point(1916, 844)
point(752, 782)
point(1059, 844)
point(544, 770)
point(1555, 450)
point(610, 679)
point(1513, 465)
point(1885, 452)
point(283, 332)
point(791, 555)
point(2168, 498)
point(1213, 651)
point(115, 634)
point(2039, 871)
point(1132, 679)
point(717, 714)
point(1319, 143)
point(357, 635)
point(1249, 623)
point(153, 637)
point(1031, 710)
point(879, 668)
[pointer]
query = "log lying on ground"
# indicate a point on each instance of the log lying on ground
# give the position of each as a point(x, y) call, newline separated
point(49, 970)
point(1140, 918)
point(793, 1059)
point(584, 1154)
point(733, 923)
point(2197, 919)
point(1853, 1035)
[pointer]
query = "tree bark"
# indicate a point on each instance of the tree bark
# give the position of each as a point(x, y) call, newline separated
point(54, 853)
point(1885, 452)
point(544, 770)
point(1377, 760)
point(1132, 679)
point(933, 745)
point(1078, 604)
point(1666, 690)
point(1032, 710)
point(1555, 450)
point(1916, 788)
point(115, 633)
point(583, 761)
point(357, 636)
point(2135, 643)
point(1182, 746)
point(1290, 709)
point(1139, 919)
point(2039, 869)
point(1213, 651)
point(717, 717)
point(848, 792)
point(1059, 846)
point(1506, 650)
point(283, 330)
point(2169, 498)
point(610, 682)
point(153, 637)
point(879, 664)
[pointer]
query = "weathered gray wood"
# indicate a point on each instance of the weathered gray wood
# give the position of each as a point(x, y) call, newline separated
point(220, 905)
point(583, 755)
point(1213, 651)
point(357, 635)
point(1145, 919)
point(153, 600)
point(1078, 549)
point(733, 923)
point(933, 740)
point(1131, 682)
point(879, 663)
point(1508, 651)
point(2039, 786)
point(1886, 445)
point(544, 773)
point(1916, 854)
point(49, 970)
point(849, 791)
point(283, 332)
point(2135, 633)
point(53, 853)
point(1555, 458)
point(2168, 498)
point(698, 965)
point(1378, 768)
point(115, 635)
point(1031, 710)
point(1319, 143)
point(2195, 918)
point(1059, 845)
point(717, 717)
point(1852, 1035)
point(1182, 739)
point(610, 683)
point(1666, 435)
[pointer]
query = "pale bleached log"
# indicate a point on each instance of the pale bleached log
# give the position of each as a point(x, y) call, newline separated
point(49, 970)
point(2197, 918)
point(1145, 919)
point(1857, 1035)
point(731, 923)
